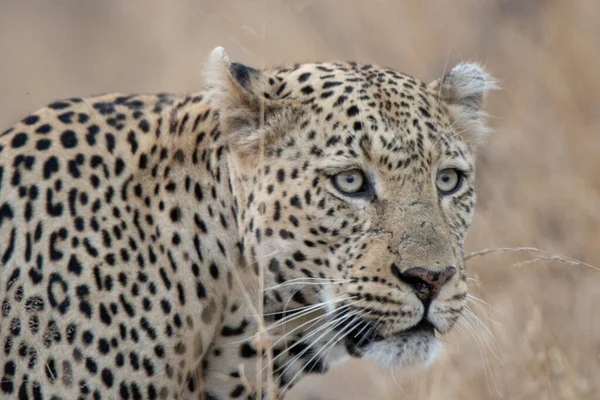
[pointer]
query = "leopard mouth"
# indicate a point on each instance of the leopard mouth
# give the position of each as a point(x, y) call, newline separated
point(415, 345)
point(412, 347)
point(424, 326)
point(357, 341)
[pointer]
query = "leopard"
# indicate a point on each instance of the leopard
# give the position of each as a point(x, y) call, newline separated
point(227, 242)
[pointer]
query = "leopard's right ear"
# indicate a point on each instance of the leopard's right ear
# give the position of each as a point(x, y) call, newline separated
point(238, 81)
point(247, 111)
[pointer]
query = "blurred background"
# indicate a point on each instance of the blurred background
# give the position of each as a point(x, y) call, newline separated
point(536, 329)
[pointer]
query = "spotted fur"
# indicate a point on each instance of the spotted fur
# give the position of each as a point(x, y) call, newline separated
point(137, 230)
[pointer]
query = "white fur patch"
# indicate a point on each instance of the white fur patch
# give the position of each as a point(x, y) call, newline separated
point(405, 351)
point(464, 89)
point(217, 67)
point(468, 79)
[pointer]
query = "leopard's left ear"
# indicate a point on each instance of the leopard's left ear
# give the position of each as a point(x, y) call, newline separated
point(242, 96)
point(463, 89)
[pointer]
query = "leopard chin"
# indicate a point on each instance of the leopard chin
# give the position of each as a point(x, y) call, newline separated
point(415, 347)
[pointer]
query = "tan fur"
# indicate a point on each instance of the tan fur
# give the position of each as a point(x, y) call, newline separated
point(141, 234)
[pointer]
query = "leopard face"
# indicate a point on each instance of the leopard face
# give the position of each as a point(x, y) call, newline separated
point(358, 187)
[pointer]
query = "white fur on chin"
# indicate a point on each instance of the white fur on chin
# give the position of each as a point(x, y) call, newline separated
point(416, 350)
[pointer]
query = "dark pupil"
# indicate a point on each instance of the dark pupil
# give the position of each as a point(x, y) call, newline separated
point(350, 178)
point(445, 178)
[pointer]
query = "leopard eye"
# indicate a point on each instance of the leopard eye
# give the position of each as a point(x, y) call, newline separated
point(350, 182)
point(448, 181)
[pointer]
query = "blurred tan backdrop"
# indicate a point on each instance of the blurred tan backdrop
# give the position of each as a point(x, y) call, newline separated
point(538, 175)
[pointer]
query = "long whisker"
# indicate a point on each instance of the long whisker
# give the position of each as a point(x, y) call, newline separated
point(328, 346)
point(362, 321)
point(306, 310)
point(370, 331)
point(310, 306)
point(488, 371)
point(315, 279)
point(305, 284)
point(296, 316)
point(477, 301)
point(332, 327)
point(367, 325)
point(478, 321)
point(332, 324)
point(314, 320)
point(316, 331)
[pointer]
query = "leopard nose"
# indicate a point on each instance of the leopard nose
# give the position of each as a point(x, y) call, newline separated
point(426, 283)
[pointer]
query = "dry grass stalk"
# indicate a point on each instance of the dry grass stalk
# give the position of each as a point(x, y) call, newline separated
point(546, 256)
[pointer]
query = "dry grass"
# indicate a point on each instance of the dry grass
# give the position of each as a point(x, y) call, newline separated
point(538, 181)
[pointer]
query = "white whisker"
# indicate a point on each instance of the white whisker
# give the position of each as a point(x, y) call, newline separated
point(338, 322)
point(288, 283)
point(305, 311)
point(343, 333)
point(316, 331)
point(312, 321)
point(293, 317)
point(488, 371)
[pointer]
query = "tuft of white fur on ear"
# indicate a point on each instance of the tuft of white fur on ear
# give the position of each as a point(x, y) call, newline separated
point(217, 68)
point(464, 89)
point(238, 79)
point(466, 85)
